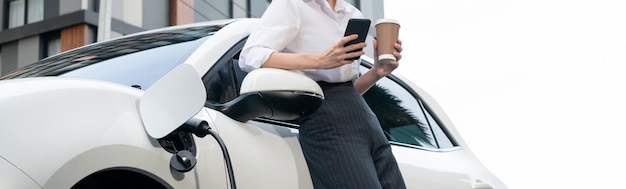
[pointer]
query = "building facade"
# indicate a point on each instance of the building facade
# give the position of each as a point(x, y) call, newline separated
point(31, 30)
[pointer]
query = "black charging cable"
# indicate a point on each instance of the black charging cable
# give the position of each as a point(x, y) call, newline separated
point(201, 128)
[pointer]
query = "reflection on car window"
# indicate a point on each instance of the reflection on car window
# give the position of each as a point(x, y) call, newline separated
point(402, 116)
point(222, 81)
point(138, 60)
point(401, 119)
point(221, 87)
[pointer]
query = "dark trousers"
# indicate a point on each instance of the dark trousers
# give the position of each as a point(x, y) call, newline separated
point(344, 145)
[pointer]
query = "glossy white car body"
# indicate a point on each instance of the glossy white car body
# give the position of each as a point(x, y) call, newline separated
point(57, 131)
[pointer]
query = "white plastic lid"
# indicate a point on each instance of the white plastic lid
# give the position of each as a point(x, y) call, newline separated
point(387, 20)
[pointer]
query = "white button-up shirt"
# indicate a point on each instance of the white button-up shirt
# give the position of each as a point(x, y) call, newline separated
point(301, 26)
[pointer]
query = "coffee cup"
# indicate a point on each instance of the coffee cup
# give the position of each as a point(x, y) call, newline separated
point(387, 31)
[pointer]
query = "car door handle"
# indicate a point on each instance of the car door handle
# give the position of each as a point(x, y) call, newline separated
point(481, 185)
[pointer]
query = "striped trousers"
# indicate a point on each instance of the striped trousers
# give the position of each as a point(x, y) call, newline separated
point(344, 145)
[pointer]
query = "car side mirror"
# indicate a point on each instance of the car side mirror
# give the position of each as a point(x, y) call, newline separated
point(273, 93)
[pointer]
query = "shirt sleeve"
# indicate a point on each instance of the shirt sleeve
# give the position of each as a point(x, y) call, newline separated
point(276, 29)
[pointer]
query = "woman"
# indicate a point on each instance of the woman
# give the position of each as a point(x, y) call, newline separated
point(342, 141)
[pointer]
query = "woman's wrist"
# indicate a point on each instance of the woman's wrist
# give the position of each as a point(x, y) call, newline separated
point(379, 71)
point(311, 61)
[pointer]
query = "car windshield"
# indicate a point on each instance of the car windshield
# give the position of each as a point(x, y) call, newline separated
point(136, 61)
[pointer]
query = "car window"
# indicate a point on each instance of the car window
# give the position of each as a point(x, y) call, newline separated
point(135, 61)
point(223, 80)
point(403, 116)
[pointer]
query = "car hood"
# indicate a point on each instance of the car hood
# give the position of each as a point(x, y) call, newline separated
point(62, 117)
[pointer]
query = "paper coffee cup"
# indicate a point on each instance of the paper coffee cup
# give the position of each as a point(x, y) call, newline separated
point(387, 31)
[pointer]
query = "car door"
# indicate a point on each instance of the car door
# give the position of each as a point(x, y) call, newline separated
point(266, 154)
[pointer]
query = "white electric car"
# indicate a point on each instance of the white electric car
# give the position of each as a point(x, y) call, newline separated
point(170, 108)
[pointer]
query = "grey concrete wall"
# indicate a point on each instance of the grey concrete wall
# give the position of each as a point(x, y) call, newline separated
point(115, 34)
point(9, 57)
point(68, 6)
point(28, 51)
point(117, 9)
point(50, 8)
point(155, 14)
point(211, 10)
point(133, 12)
point(239, 8)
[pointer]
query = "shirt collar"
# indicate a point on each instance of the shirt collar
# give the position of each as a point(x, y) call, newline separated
point(339, 7)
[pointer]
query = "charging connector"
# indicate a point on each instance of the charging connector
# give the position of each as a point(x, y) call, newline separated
point(201, 128)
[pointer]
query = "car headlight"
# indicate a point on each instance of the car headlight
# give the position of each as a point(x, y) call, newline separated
point(12, 177)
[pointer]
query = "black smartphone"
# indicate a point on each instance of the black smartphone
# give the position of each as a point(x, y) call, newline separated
point(359, 26)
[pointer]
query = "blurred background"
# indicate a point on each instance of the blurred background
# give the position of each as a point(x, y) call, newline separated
point(536, 87)
point(31, 30)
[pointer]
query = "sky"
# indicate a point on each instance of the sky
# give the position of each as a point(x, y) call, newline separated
point(535, 87)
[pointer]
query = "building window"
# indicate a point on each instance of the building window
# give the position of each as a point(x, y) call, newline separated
point(53, 47)
point(51, 44)
point(16, 13)
point(22, 12)
point(35, 11)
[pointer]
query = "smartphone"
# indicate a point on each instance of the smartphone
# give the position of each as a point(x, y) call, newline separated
point(357, 26)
